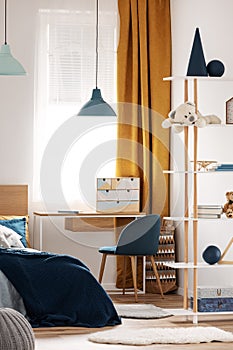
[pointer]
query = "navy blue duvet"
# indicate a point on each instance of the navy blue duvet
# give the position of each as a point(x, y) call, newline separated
point(57, 290)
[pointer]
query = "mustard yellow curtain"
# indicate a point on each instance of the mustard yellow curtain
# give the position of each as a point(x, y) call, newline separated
point(143, 59)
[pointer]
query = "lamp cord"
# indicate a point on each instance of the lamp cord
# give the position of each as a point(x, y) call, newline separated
point(97, 40)
point(5, 24)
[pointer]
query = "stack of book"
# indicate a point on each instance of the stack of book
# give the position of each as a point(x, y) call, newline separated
point(214, 299)
point(209, 211)
point(222, 167)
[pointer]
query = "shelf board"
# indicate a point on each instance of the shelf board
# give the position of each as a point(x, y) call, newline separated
point(180, 171)
point(183, 218)
point(221, 125)
point(188, 77)
point(200, 265)
point(196, 172)
point(190, 312)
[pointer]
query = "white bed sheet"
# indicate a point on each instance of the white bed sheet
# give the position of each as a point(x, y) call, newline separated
point(9, 297)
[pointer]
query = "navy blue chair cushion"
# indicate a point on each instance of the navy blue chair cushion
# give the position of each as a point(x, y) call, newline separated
point(108, 250)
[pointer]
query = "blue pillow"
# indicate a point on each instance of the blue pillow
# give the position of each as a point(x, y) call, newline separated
point(18, 225)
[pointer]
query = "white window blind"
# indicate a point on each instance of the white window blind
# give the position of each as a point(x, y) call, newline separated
point(71, 55)
point(65, 68)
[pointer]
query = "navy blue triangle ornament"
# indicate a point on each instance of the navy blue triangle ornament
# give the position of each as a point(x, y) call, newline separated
point(197, 64)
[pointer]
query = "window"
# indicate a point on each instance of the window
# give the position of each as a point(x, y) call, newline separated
point(65, 77)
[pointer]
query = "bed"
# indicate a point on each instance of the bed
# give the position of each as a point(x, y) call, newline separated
point(51, 290)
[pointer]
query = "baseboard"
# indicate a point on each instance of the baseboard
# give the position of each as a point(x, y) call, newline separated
point(111, 289)
point(180, 291)
point(110, 286)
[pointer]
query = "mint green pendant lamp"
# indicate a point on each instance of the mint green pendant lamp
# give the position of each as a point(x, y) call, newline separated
point(96, 106)
point(8, 64)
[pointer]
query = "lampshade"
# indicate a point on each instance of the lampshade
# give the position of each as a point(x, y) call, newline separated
point(96, 106)
point(8, 64)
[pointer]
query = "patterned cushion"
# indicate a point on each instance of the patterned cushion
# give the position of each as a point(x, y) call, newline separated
point(10, 217)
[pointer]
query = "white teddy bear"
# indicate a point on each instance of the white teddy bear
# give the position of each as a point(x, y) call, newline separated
point(185, 114)
point(203, 120)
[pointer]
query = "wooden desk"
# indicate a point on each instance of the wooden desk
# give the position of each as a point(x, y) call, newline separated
point(87, 222)
point(92, 221)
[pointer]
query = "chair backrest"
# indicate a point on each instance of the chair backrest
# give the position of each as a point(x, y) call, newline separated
point(140, 237)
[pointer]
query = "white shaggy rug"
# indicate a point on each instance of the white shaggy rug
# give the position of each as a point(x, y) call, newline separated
point(172, 335)
point(142, 311)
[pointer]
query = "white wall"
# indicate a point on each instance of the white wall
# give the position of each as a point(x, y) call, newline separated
point(214, 20)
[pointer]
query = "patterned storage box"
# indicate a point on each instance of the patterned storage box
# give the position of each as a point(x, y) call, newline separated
point(165, 254)
point(215, 292)
point(213, 304)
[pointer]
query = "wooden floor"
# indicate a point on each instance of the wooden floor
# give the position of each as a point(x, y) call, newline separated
point(77, 339)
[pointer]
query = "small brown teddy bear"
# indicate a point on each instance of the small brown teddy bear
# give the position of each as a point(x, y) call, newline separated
point(228, 207)
point(229, 213)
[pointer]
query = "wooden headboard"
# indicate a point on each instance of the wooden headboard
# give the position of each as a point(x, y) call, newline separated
point(13, 199)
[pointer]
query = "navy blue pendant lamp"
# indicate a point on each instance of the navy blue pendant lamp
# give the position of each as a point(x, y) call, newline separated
point(8, 64)
point(96, 106)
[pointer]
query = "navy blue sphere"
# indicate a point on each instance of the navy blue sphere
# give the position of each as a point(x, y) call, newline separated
point(215, 68)
point(211, 254)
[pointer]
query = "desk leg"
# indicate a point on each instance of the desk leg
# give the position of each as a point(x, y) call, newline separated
point(144, 275)
point(40, 233)
point(33, 231)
